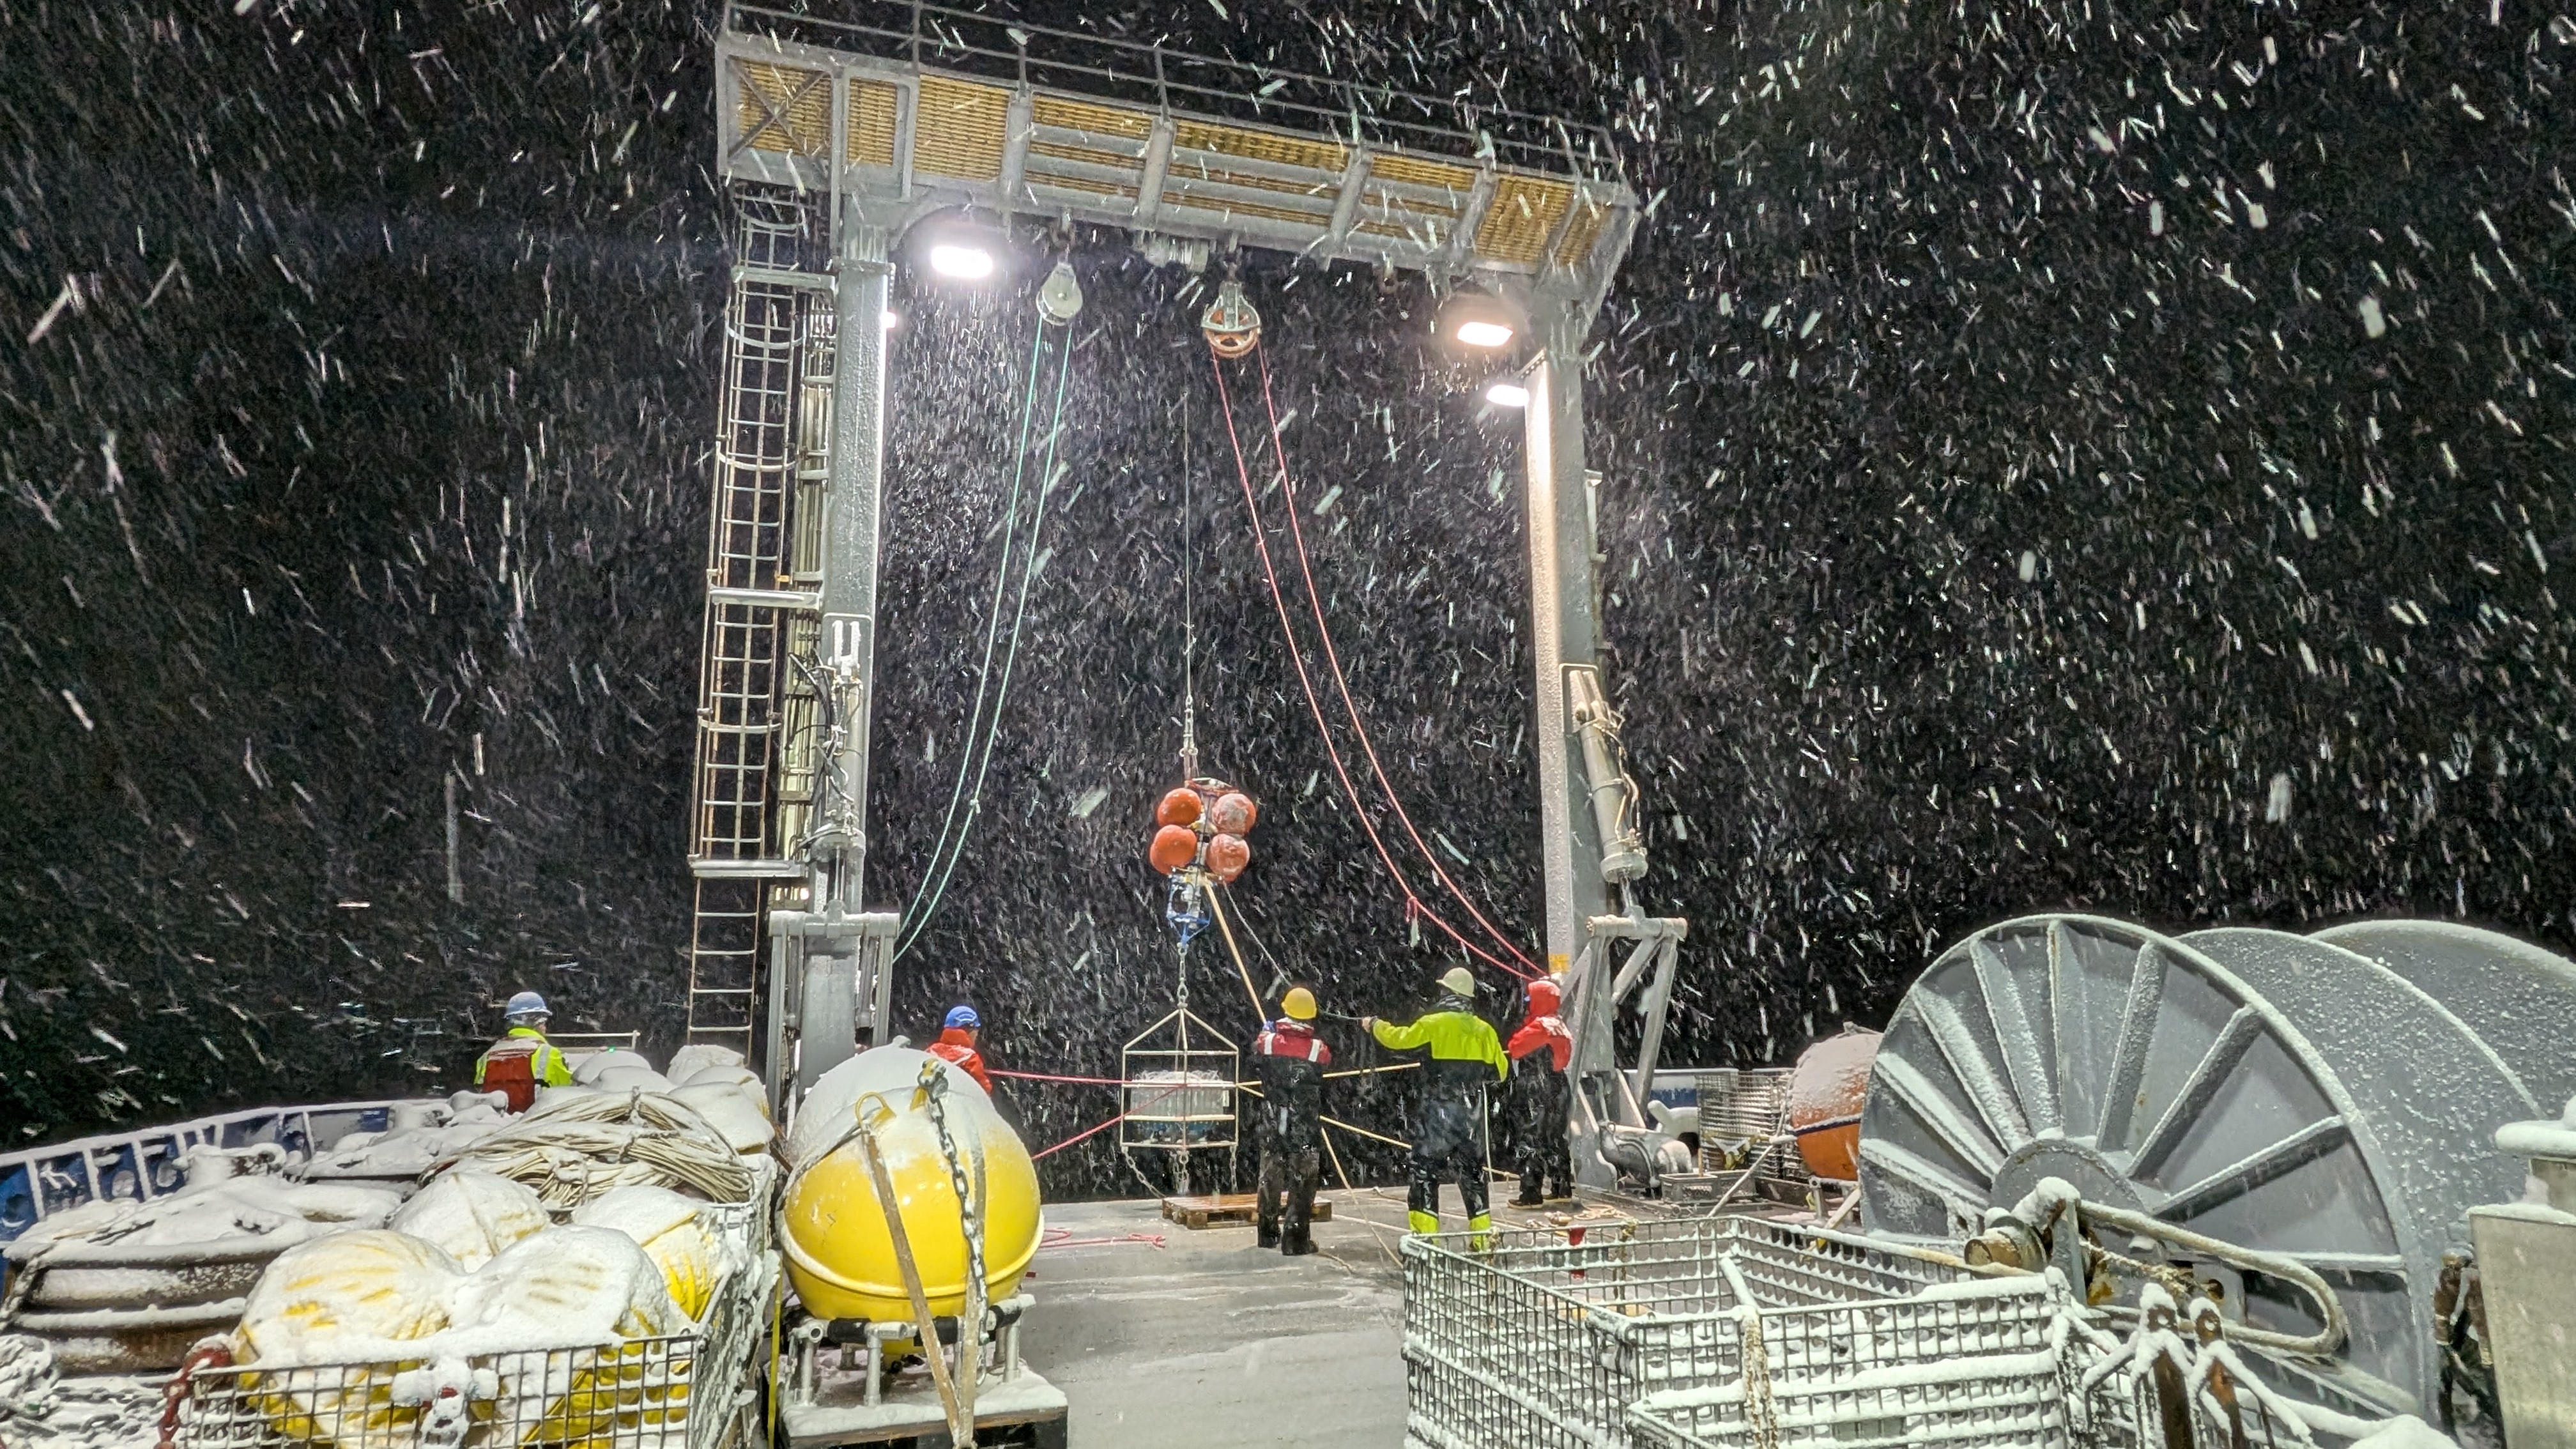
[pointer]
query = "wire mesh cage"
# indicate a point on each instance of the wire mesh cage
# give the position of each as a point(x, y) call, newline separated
point(634, 1395)
point(681, 1391)
point(1552, 1335)
point(1973, 1364)
point(1179, 1081)
point(1744, 1126)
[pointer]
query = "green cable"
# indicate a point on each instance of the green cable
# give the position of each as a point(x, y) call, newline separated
point(993, 621)
point(1010, 659)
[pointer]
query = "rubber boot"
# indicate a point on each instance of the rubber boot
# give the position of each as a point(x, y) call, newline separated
point(1266, 1235)
point(1422, 1222)
point(1296, 1245)
point(1528, 1198)
point(1480, 1232)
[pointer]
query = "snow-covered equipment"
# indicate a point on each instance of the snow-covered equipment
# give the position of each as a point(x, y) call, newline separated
point(837, 1232)
point(2259, 1108)
point(472, 1216)
point(572, 1148)
point(150, 1163)
point(2527, 1274)
point(124, 1286)
point(571, 1335)
point(413, 1143)
point(910, 1202)
point(674, 1231)
point(1691, 1330)
point(570, 1323)
point(1826, 1088)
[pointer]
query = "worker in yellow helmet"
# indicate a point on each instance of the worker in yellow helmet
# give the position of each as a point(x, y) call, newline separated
point(1290, 1060)
point(1449, 1131)
point(522, 1060)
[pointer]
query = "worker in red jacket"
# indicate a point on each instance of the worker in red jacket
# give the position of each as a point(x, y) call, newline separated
point(1290, 1061)
point(1539, 1051)
point(957, 1044)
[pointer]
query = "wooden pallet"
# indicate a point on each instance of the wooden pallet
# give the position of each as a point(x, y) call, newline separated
point(1226, 1210)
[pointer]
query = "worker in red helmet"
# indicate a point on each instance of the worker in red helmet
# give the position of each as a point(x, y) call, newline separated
point(956, 1043)
point(1539, 1051)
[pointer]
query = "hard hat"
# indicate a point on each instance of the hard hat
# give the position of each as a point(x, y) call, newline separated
point(1543, 998)
point(1299, 1003)
point(1457, 982)
point(527, 1005)
point(963, 1016)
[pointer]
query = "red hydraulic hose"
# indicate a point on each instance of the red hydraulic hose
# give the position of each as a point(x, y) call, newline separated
point(1315, 706)
point(1341, 682)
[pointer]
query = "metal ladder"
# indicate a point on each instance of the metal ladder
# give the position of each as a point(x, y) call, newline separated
point(742, 666)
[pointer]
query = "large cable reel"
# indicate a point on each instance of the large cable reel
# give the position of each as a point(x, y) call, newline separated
point(2300, 1096)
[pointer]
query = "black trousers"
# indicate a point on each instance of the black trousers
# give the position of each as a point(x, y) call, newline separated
point(1286, 1202)
point(1449, 1143)
point(1539, 1148)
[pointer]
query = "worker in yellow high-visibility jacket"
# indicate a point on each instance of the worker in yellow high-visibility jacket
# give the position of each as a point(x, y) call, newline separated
point(522, 1060)
point(1449, 1120)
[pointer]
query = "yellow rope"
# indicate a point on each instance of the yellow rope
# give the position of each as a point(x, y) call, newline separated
point(1259, 1012)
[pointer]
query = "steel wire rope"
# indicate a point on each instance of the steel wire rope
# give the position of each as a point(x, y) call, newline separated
point(1010, 656)
point(992, 624)
point(1315, 706)
point(1342, 684)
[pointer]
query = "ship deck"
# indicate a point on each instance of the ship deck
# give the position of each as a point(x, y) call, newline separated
point(1167, 1337)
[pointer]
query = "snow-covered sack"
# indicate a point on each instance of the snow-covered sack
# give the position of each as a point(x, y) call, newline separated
point(472, 1216)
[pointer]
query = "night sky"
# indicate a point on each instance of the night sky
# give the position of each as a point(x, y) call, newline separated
point(2057, 456)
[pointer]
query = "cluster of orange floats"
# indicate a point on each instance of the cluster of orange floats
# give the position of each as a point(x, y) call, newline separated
point(1202, 825)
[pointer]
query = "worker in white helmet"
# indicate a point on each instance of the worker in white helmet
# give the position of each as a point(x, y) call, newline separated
point(522, 1060)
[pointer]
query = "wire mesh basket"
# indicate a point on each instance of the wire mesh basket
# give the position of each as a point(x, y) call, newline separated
point(1551, 1336)
point(634, 1395)
point(682, 1391)
point(1972, 1364)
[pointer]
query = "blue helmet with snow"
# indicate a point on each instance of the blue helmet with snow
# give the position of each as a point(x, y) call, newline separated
point(962, 1018)
point(526, 1009)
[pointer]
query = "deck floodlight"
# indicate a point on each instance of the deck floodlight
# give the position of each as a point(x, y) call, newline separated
point(1474, 319)
point(961, 261)
point(1506, 392)
point(890, 319)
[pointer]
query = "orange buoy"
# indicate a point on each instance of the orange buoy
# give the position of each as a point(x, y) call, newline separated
point(1826, 1089)
point(1227, 855)
point(1181, 806)
point(1233, 813)
point(1175, 846)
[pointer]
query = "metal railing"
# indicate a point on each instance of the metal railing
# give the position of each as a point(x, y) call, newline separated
point(1142, 73)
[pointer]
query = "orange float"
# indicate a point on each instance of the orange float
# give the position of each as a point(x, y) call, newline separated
point(1175, 846)
point(1181, 806)
point(1227, 855)
point(1826, 1089)
point(1233, 813)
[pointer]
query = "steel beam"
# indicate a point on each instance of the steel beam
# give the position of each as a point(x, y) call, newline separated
point(1564, 627)
point(853, 498)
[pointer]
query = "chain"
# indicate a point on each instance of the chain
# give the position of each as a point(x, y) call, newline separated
point(969, 1204)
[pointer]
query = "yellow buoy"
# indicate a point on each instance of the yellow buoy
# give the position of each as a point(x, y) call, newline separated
point(832, 1230)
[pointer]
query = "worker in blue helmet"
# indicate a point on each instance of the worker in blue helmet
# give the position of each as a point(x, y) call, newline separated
point(522, 1060)
point(956, 1043)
